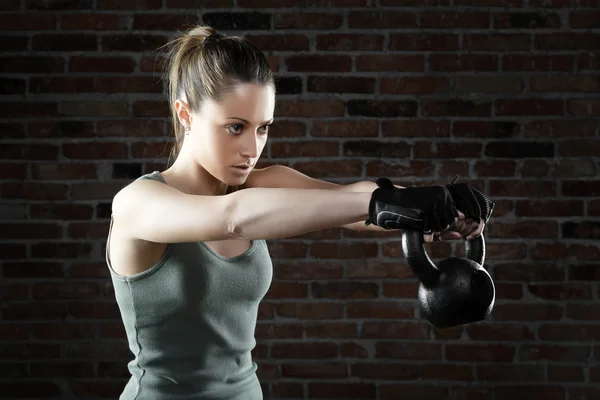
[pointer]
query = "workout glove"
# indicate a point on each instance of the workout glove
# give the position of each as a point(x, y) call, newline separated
point(470, 201)
point(427, 208)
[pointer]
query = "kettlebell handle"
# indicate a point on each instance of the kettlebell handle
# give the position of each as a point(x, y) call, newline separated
point(413, 247)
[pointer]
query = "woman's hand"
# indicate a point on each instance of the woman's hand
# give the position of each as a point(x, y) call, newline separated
point(461, 228)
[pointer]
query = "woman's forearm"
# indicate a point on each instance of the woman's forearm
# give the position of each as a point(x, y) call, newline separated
point(273, 213)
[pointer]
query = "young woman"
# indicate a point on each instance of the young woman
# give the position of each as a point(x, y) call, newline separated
point(186, 248)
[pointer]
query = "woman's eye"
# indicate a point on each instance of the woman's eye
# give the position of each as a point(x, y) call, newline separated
point(265, 128)
point(235, 129)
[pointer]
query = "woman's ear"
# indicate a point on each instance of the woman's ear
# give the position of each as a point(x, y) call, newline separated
point(183, 112)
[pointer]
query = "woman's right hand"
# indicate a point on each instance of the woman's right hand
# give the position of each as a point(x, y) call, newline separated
point(426, 208)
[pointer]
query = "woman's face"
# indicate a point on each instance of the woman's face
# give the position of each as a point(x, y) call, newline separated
point(233, 132)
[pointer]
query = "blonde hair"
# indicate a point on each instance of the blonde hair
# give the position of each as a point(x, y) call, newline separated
point(202, 69)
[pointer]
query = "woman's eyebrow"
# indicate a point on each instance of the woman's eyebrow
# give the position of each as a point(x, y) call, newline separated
point(246, 121)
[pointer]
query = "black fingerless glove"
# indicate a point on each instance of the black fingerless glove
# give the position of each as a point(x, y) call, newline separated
point(470, 201)
point(427, 208)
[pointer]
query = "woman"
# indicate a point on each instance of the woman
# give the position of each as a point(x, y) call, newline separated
point(186, 247)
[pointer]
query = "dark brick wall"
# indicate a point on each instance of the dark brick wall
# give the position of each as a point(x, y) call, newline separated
point(505, 95)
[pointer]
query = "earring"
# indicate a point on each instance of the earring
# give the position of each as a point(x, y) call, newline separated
point(187, 130)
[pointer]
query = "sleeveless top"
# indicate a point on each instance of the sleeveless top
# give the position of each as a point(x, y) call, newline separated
point(190, 322)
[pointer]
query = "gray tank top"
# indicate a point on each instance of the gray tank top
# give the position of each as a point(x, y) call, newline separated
point(190, 322)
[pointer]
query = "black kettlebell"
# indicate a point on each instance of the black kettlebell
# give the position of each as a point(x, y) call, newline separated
point(455, 292)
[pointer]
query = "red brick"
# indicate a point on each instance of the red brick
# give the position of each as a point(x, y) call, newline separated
point(485, 84)
point(307, 20)
point(412, 391)
point(304, 350)
point(38, 152)
point(148, 108)
point(93, 22)
point(530, 107)
point(139, 84)
point(528, 392)
point(14, 332)
point(395, 330)
point(453, 168)
point(561, 251)
point(286, 390)
point(11, 5)
point(456, 107)
point(565, 83)
point(583, 312)
point(564, 373)
point(549, 208)
point(318, 63)
point(586, 188)
point(480, 353)
point(305, 149)
point(496, 42)
point(415, 128)
point(344, 128)
point(522, 188)
point(327, 84)
point(522, 62)
point(385, 372)
point(30, 388)
point(583, 107)
point(374, 269)
point(308, 270)
point(380, 310)
point(447, 150)
point(354, 350)
point(390, 62)
point(554, 353)
point(587, 61)
point(61, 85)
point(34, 191)
point(344, 290)
point(471, 62)
point(129, 4)
point(562, 291)
point(414, 85)
point(560, 128)
point(331, 330)
point(455, 20)
point(527, 20)
point(423, 42)
point(62, 368)
point(500, 332)
point(411, 3)
point(341, 390)
point(511, 373)
point(308, 108)
point(575, 168)
point(448, 372)
point(281, 42)
point(527, 312)
point(492, 3)
point(193, 4)
point(314, 370)
point(579, 148)
point(313, 310)
point(594, 208)
point(566, 41)
point(14, 292)
point(163, 22)
point(408, 350)
point(348, 42)
point(101, 64)
point(27, 22)
point(523, 229)
point(95, 151)
point(279, 331)
point(495, 168)
point(569, 332)
point(381, 20)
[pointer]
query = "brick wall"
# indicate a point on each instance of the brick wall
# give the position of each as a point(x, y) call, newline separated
point(504, 95)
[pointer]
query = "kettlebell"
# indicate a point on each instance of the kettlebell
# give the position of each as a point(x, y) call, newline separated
point(455, 292)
